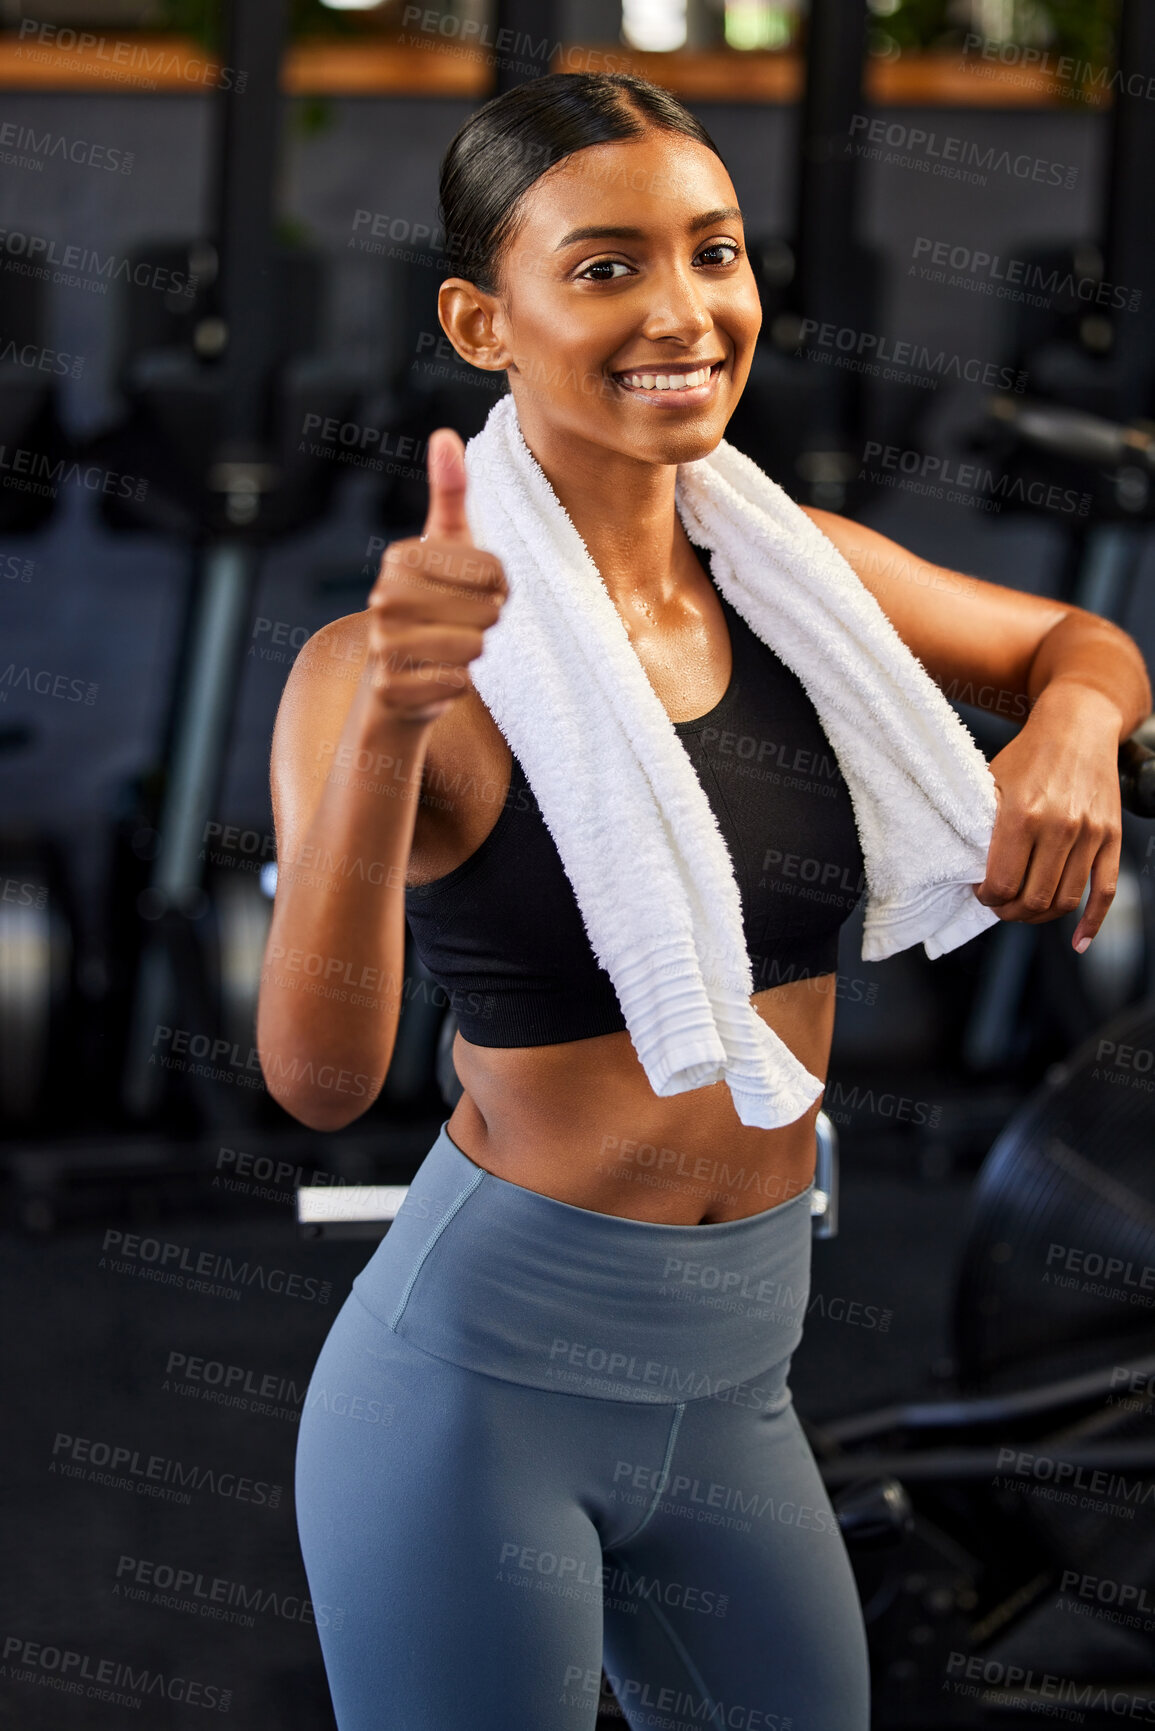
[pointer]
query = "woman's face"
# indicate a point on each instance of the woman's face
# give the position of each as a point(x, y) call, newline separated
point(627, 310)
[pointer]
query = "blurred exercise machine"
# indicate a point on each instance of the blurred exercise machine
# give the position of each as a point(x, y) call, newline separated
point(218, 385)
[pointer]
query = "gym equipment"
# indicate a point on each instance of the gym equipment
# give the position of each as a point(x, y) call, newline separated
point(1054, 1382)
point(29, 400)
point(37, 983)
point(1099, 578)
point(220, 388)
point(1090, 356)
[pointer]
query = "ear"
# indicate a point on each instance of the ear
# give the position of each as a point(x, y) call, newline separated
point(467, 316)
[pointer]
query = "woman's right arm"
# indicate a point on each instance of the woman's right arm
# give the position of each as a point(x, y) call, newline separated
point(348, 753)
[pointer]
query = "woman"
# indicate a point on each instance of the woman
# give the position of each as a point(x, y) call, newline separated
point(536, 1438)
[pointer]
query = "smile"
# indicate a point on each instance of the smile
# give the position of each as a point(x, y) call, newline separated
point(672, 388)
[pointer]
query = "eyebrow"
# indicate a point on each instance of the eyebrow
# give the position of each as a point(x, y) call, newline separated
point(599, 232)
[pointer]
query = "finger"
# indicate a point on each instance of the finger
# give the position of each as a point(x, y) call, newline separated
point(419, 578)
point(1056, 858)
point(1104, 880)
point(445, 466)
point(1008, 857)
point(419, 681)
point(427, 652)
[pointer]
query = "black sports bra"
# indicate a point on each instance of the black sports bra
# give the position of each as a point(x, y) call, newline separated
point(502, 932)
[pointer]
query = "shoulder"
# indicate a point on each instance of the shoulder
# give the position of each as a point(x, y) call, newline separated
point(319, 692)
point(322, 684)
point(960, 627)
point(314, 705)
point(882, 564)
point(466, 764)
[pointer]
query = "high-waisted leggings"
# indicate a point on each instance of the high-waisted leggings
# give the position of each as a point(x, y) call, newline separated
point(539, 1440)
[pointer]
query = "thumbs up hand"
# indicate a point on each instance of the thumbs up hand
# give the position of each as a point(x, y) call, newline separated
point(434, 598)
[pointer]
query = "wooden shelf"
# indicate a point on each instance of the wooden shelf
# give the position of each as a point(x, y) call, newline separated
point(147, 64)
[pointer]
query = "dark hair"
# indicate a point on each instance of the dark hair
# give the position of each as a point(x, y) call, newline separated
point(500, 151)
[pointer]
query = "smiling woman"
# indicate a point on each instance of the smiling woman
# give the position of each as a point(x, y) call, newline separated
point(558, 232)
point(595, 1286)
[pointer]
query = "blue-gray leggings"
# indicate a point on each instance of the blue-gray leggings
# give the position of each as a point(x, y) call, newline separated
point(539, 1439)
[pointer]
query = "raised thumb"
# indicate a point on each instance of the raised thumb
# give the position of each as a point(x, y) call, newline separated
point(445, 467)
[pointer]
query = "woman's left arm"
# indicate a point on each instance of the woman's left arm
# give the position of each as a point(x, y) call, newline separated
point(1079, 681)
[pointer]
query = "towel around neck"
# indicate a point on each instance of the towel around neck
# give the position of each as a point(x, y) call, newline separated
point(634, 829)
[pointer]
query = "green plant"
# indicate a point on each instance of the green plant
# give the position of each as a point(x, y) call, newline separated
point(1082, 29)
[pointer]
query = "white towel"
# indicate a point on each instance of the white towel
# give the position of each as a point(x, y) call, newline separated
point(636, 834)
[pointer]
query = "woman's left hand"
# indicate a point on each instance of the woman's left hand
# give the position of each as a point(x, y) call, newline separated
point(1059, 818)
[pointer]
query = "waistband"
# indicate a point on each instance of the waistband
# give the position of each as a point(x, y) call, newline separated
point(521, 1286)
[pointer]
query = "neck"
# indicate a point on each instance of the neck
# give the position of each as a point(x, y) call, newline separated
point(622, 508)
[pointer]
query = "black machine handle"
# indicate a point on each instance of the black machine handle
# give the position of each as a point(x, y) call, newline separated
point(1137, 771)
point(1091, 439)
point(1075, 434)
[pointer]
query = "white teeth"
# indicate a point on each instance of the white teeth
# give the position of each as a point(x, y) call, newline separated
point(668, 381)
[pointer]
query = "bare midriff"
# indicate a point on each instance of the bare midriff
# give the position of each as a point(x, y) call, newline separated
point(579, 1121)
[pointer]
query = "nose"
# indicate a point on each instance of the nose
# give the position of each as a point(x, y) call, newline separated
point(677, 307)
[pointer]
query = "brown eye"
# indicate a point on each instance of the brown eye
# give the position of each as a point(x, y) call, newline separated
point(720, 247)
point(602, 264)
